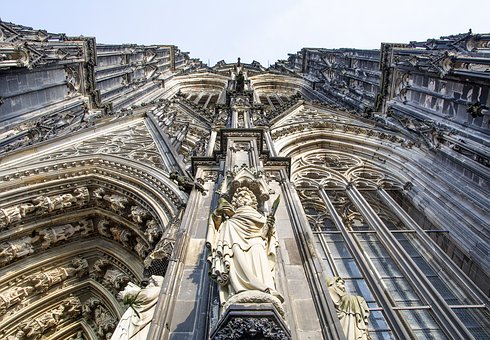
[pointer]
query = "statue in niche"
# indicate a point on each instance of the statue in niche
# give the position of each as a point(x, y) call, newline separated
point(135, 322)
point(352, 310)
point(240, 82)
point(242, 247)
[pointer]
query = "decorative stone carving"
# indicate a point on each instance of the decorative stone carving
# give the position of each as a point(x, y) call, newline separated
point(135, 322)
point(141, 248)
point(116, 202)
point(99, 268)
point(95, 313)
point(56, 234)
point(103, 228)
point(153, 231)
point(35, 328)
point(41, 282)
point(114, 278)
point(121, 235)
point(13, 296)
point(242, 247)
point(15, 213)
point(244, 328)
point(47, 204)
point(352, 310)
point(138, 214)
point(16, 249)
point(185, 183)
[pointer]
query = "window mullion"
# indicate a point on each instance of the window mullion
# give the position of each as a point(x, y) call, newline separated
point(392, 317)
point(453, 326)
point(442, 259)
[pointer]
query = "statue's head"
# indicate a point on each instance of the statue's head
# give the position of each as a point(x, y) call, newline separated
point(244, 197)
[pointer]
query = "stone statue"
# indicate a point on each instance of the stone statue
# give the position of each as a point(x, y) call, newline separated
point(17, 248)
point(141, 248)
point(13, 296)
point(138, 214)
point(114, 278)
point(242, 247)
point(135, 322)
point(35, 328)
point(15, 214)
point(152, 231)
point(43, 281)
point(352, 310)
point(56, 234)
point(121, 235)
point(116, 202)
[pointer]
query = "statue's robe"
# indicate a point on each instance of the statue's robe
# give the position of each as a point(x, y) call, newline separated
point(242, 255)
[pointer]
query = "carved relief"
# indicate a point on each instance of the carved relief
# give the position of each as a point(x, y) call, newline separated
point(134, 143)
point(41, 282)
point(115, 279)
point(36, 327)
point(138, 214)
point(47, 204)
point(99, 317)
point(153, 231)
point(16, 249)
point(116, 202)
point(56, 234)
point(15, 213)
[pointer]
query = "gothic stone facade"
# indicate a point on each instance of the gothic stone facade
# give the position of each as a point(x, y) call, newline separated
point(112, 157)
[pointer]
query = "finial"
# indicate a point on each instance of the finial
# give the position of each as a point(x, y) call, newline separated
point(238, 64)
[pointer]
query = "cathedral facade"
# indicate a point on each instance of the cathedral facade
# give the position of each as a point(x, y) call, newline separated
point(338, 194)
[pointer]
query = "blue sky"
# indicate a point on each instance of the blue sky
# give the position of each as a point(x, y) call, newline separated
point(265, 30)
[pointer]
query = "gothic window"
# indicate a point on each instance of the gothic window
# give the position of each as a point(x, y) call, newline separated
point(363, 235)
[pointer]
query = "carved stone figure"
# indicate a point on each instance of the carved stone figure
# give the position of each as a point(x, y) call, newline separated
point(138, 214)
point(45, 204)
point(15, 214)
point(115, 278)
point(56, 234)
point(104, 321)
point(99, 268)
point(152, 231)
point(352, 310)
point(41, 282)
point(135, 322)
point(117, 202)
point(13, 296)
point(103, 228)
point(141, 248)
point(242, 247)
point(121, 235)
point(16, 249)
point(35, 328)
